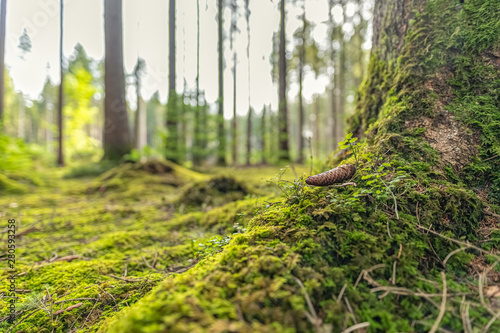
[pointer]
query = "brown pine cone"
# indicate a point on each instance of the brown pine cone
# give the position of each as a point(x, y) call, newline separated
point(336, 175)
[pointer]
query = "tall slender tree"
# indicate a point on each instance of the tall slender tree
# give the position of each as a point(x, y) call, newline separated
point(284, 154)
point(60, 100)
point(197, 146)
point(116, 139)
point(340, 82)
point(221, 150)
point(333, 77)
point(233, 30)
point(302, 56)
point(249, 118)
point(3, 16)
point(263, 136)
point(172, 143)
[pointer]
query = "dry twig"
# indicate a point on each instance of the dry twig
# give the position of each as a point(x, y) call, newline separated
point(443, 306)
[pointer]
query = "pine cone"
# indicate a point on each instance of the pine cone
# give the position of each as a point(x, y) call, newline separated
point(336, 175)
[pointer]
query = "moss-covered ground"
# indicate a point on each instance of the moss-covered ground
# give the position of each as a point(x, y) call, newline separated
point(411, 247)
point(100, 244)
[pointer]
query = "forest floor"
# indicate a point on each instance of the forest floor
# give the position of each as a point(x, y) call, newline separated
point(88, 247)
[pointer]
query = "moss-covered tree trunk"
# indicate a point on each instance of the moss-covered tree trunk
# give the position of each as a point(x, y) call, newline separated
point(412, 247)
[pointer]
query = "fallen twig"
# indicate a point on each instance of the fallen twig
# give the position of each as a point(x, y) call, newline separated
point(124, 279)
point(69, 308)
point(311, 314)
point(26, 317)
point(356, 327)
point(452, 253)
point(464, 313)
point(443, 306)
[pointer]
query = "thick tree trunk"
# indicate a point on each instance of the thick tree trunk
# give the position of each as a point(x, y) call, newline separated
point(117, 141)
point(221, 135)
point(3, 16)
point(60, 100)
point(284, 153)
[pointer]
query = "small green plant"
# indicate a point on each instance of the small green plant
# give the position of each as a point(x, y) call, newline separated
point(217, 243)
point(292, 190)
point(352, 146)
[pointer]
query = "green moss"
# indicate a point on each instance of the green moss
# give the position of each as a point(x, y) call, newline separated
point(213, 192)
point(8, 186)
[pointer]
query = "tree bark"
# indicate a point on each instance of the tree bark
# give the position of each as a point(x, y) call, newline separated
point(263, 134)
point(221, 135)
point(302, 59)
point(284, 153)
point(249, 118)
point(235, 116)
point(197, 149)
point(60, 101)
point(249, 137)
point(173, 142)
point(116, 137)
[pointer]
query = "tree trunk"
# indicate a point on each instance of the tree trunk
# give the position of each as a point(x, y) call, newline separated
point(249, 137)
point(359, 39)
point(117, 141)
point(284, 153)
point(333, 77)
point(173, 143)
point(221, 135)
point(3, 16)
point(60, 100)
point(249, 119)
point(341, 88)
point(302, 57)
point(316, 133)
point(235, 117)
point(197, 146)
point(263, 134)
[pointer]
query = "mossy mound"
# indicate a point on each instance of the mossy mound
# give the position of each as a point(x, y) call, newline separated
point(10, 186)
point(213, 192)
point(19, 182)
point(155, 172)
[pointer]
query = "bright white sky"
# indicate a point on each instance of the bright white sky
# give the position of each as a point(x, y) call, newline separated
point(145, 25)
